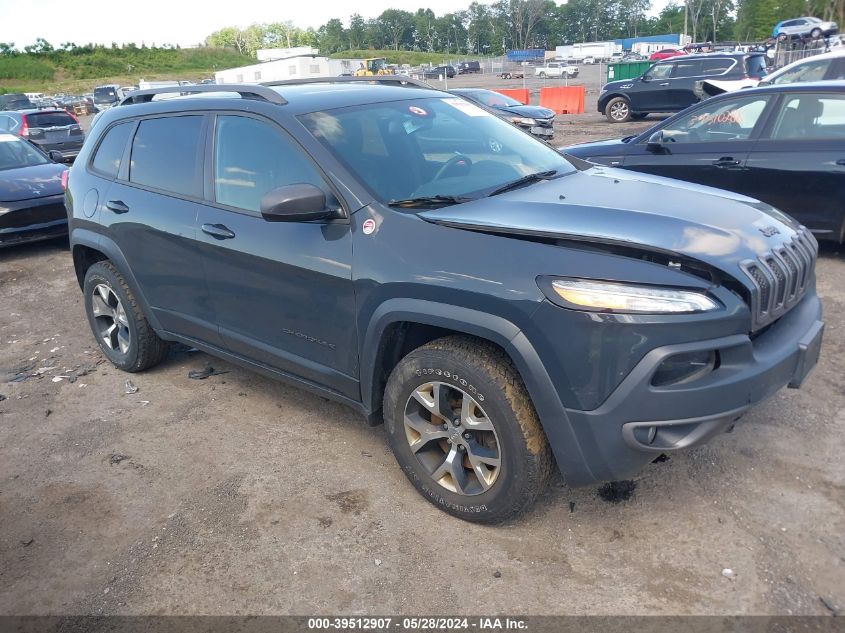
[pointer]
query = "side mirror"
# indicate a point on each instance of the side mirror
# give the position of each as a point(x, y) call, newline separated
point(644, 78)
point(55, 156)
point(655, 142)
point(300, 202)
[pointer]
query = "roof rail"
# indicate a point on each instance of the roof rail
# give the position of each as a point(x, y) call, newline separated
point(262, 93)
point(387, 79)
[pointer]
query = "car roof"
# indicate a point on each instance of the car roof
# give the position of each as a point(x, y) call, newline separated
point(301, 98)
point(41, 111)
point(837, 85)
point(732, 54)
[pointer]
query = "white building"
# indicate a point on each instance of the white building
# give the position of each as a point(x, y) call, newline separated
point(271, 54)
point(297, 67)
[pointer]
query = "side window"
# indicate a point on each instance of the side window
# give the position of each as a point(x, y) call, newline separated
point(659, 71)
point(165, 155)
point(811, 116)
point(837, 69)
point(687, 68)
point(252, 158)
point(110, 152)
point(809, 71)
point(715, 66)
point(8, 123)
point(726, 120)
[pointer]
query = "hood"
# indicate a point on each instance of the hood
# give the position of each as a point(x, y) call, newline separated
point(24, 183)
point(620, 207)
point(594, 148)
point(620, 84)
point(534, 112)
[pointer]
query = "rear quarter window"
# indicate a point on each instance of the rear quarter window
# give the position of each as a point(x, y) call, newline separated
point(111, 148)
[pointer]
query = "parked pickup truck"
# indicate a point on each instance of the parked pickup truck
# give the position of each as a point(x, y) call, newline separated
point(554, 69)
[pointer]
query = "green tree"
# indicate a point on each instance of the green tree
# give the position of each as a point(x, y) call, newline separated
point(398, 26)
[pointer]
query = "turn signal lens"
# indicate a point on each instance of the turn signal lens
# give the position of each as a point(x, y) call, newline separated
point(619, 297)
point(65, 174)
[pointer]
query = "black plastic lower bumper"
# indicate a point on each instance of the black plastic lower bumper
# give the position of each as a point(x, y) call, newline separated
point(639, 420)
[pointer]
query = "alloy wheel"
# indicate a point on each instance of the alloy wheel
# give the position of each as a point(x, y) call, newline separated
point(619, 111)
point(110, 319)
point(452, 438)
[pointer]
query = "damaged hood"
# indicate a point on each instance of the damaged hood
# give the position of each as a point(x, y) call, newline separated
point(620, 207)
point(36, 181)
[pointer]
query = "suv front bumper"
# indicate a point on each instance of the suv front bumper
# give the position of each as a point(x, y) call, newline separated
point(638, 421)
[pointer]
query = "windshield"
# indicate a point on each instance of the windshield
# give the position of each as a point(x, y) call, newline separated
point(493, 99)
point(431, 147)
point(105, 95)
point(15, 153)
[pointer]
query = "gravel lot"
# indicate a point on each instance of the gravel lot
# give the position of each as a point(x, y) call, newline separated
point(239, 495)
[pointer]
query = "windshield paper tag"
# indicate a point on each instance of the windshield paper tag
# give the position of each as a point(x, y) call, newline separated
point(466, 107)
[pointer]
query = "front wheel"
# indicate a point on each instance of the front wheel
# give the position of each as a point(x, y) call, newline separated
point(816, 33)
point(618, 110)
point(462, 427)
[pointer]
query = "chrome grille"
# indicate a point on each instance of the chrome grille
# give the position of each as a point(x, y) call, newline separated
point(780, 277)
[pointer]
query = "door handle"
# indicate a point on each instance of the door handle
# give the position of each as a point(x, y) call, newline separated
point(117, 206)
point(726, 162)
point(218, 231)
point(841, 162)
point(664, 84)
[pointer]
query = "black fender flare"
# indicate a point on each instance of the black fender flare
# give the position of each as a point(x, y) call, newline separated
point(553, 417)
point(107, 246)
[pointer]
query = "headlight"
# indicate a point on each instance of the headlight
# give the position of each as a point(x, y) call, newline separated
point(628, 298)
point(523, 121)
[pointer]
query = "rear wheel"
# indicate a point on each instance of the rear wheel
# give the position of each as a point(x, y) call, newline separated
point(618, 110)
point(542, 75)
point(120, 327)
point(461, 424)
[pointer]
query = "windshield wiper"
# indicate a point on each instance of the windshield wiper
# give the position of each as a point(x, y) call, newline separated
point(525, 180)
point(423, 201)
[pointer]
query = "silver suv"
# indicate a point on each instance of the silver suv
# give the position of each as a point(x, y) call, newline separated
point(804, 27)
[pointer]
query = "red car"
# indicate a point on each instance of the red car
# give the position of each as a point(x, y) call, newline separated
point(666, 53)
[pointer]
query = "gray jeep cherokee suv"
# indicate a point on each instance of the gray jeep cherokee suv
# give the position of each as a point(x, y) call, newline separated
point(500, 307)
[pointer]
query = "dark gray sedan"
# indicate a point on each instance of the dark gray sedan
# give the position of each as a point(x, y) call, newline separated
point(31, 193)
point(535, 119)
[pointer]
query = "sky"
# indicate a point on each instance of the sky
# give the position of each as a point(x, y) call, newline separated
point(183, 22)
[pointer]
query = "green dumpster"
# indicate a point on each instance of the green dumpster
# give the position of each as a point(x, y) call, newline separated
point(626, 70)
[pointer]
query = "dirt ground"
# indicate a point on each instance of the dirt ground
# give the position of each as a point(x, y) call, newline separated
point(239, 495)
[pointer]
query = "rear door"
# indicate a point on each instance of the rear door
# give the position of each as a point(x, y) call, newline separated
point(150, 211)
point(798, 165)
point(708, 145)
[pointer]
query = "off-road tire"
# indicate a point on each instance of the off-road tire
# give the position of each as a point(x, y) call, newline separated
point(618, 110)
point(484, 371)
point(145, 348)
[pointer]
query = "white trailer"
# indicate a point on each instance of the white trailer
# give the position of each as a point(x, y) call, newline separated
point(647, 48)
point(596, 50)
point(299, 67)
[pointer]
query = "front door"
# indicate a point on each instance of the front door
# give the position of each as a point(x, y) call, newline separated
point(708, 145)
point(282, 291)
